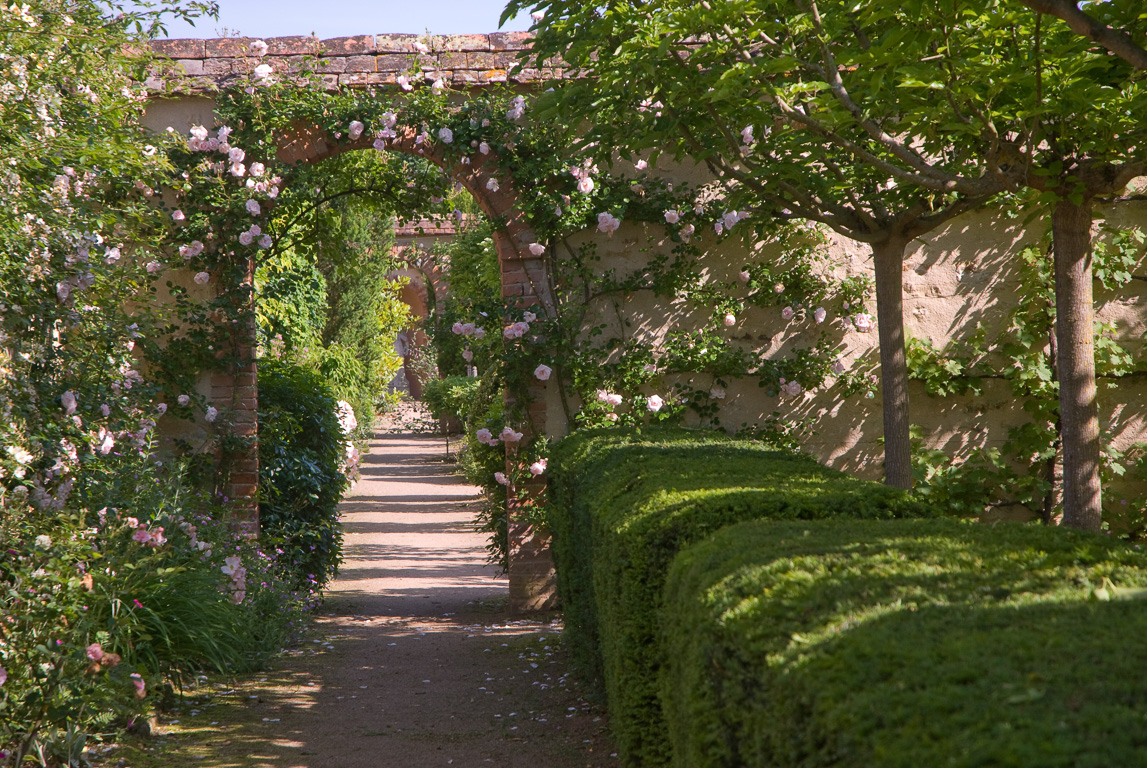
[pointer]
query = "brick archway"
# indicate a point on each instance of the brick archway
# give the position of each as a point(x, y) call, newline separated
point(207, 65)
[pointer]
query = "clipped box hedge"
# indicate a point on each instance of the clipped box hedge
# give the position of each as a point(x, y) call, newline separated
point(624, 502)
point(903, 644)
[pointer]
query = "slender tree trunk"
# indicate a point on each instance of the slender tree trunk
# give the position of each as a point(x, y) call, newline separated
point(1049, 498)
point(1074, 329)
point(888, 258)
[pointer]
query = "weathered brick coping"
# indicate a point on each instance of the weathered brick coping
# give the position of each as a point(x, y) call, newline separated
point(461, 60)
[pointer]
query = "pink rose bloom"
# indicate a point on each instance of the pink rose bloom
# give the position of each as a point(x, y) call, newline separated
point(730, 218)
point(542, 372)
point(819, 314)
point(501, 478)
point(356, 129)
point(537, 249)
point(479, 333)
point(687, 232)
point(265, 241)
point(202, 278)
point(510, 436)
point(467, 355)
point(257, 169)
point(404, 82)
point(611, 416)
point(161, 408)
point(787, 313)
point(153, 266)
point(654, 403)
point(585, 185)
point(253, 207)
point(68, 400)
point(718, 227)
point(468, 329)
point(613, 399)
point(730, 320)
point(672, 216)
point(446, 135)
point(263, 71)
point(538, 467)
point(838, 367)
point(863, 322)
point(178, 216)
point(483, 435)
point(456, 328)
point(641, 165)
point(258, 48)
point(211, 414)
point(778, 288)
point(141, 535)
point(95, 652)
point(607, 223)
point(183, 399)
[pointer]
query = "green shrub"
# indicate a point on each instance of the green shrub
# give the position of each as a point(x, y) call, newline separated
point(624, 502)
point(302, 455)
point(450, 399)
point(900, 644)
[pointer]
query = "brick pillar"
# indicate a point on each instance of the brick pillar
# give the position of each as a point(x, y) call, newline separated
point(533, 582)
point(235, 393)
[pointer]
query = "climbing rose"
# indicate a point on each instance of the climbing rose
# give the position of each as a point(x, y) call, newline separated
point(446, 135)
point(510, 436)
point(747, 135)
point(787, 313)
point(183, 399)
point(819, 314)
point(467, 355)
point(238, 169)
point(537, 15)
point(153, 267)
point(421, 47)
point(718, 227)
point(529, 317)
point(95, 652)
point(259, 48)
point(492, 185)
point(641, 165)
point(3, 675)
point(838, 367)
point(730, 320)
point(863, 322)
point(484, 148)
point(483, 435)
point(654, 403)
point(257, 169)
point(236, 155)
point(456, 328)
point(607, 223)
point(356, 129)
point(538, 467)
point(542, 372)
point(585, 185)
point(68, 400)
point(793, 387)
point(265, 241)
point(201, 278)
point(537, 249)
point(211, 414)
point(730, 218)
point(246, 238)
point(263, 71)
point(253, 207)
point(778, 288)
point(178, 216)
point(161, 408)
point(501, 478)
point(44, 541)
point(404, 82)
point(672, 216)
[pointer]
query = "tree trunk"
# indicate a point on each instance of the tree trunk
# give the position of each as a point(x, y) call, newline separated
point(888, 258)
point(1074, 329)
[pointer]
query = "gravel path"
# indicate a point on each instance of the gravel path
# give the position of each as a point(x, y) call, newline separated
point(416, 662)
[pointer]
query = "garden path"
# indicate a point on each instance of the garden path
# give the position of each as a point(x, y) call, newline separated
point(417, 662)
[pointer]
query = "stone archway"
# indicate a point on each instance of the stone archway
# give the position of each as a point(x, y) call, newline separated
point(201, 67)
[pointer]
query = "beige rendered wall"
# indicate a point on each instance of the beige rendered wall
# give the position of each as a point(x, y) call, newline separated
point(961, 275)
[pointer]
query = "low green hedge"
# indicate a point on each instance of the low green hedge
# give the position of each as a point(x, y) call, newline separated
point(624, 502)
point(901, 644)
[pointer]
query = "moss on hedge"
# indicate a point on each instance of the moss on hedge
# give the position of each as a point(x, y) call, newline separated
point(624, 502)
point(901, 644)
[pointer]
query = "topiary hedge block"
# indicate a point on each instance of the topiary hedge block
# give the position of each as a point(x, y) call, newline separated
point(901, 644)
point(624, 502)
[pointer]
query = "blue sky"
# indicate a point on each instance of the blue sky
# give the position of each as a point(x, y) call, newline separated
point(339, 18)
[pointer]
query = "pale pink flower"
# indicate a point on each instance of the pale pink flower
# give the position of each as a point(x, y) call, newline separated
point(483, 435)
point(585, 185)
point(421, 47)
point(355, 130)
point(141, 535)
point(177, 215)
point(246, 238)
point(238, 169)
point(95, 652)
point(131, 522)
point(654, 403)
point(611, 416)
point(787, 313)
point(718, 227)
point(379, 144)
point(202, 278)
point(778, 288)
point(529, 317)
point(263, 72)
point(257, 169)
point(501, 478)
point(730, 218)
point(258, 48)
point(265, 241)
point(484, 148)
point(153, 266)
point(538, 467)
point(140, 685)
point(467, 355)
point(105, 409)
point(819, 314)
point(793, 387)
point(537, 249)
point(446, 135)
point(68, 400)
point(253, 207)
point(161, 408)
point(183, 399)
point(687, 232)
point(863, 322)
point(456, 328)
point(538, 15)
point(607, 223)
point(404, 82)
point(641, 165)
point(838, 367)
point(468, 329)
point(744, 275)
point(747, 135)
point(211, 414)
point(492, 185)
point(510, 436)
point(730, 320)
point(542, 372)
point(672, 216)
point(107, 442)
point(236, 155)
